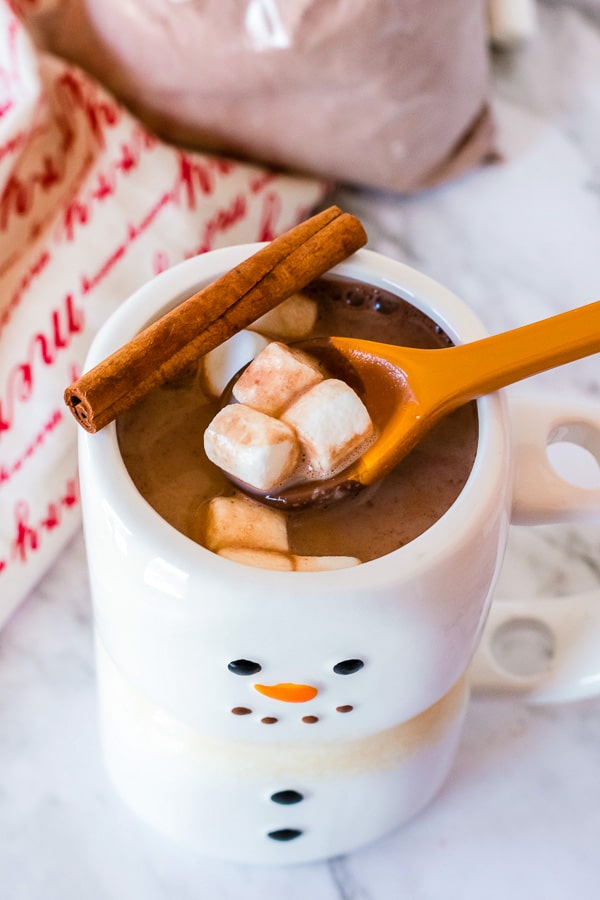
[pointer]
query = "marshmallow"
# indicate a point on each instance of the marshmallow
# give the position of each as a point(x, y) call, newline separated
point(332, 423)
point(275, 378)
point(257, 449)
point(241, 522)
point(260, 559)
point(270, 559)
point(323, 563)
point(290, 321)
point(219, 366)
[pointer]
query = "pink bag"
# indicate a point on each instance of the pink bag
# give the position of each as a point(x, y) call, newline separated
point(385, 93)
point(91, 206)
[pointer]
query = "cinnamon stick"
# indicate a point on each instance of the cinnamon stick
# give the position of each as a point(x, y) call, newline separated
point(212, 315)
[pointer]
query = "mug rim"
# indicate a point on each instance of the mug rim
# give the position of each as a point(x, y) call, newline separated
point(489, 468)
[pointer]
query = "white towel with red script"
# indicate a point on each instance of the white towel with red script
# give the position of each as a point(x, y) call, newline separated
point(92, 205)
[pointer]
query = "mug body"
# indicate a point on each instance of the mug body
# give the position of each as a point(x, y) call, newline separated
point(372, 745)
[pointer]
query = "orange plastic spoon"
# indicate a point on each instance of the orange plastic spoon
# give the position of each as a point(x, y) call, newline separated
point(407, 391)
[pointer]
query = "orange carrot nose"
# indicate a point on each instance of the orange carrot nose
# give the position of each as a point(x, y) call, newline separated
point(291, 693)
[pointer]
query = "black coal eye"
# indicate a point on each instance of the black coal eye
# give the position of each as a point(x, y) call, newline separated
point(244, 667)
point(348, 666)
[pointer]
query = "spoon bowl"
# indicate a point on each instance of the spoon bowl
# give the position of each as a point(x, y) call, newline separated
point(407, 390)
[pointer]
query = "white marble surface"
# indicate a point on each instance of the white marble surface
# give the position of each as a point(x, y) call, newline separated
point(520, 815)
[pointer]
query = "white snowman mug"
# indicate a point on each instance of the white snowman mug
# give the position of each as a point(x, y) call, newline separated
point(377, 656)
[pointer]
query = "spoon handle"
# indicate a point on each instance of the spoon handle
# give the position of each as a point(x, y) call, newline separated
point(494, 362)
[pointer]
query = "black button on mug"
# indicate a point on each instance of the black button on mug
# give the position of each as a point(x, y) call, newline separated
point(284, 834)
point(287, 798)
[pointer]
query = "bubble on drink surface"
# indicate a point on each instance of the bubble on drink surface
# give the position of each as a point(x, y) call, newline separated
point(353, 294)
point(354, 297)
point(384, 306)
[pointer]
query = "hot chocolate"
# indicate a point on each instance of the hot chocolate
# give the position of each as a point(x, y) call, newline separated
point(161, 440)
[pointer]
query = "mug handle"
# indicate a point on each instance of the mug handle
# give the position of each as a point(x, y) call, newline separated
point(545, 650)
point(540, 495)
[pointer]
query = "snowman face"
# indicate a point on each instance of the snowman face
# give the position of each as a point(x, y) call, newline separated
point(312, 677)
point(291, 695)
point(292, 706)
point(262, 665)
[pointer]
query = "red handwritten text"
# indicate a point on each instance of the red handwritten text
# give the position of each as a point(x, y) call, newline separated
point(104, 184)
point(200, 174)
point(270, 213)
point(133, 233)
point(43, 349)
point(221, 221)
point(14, 143)
point(35, 269)
point(27, 534)
point(99, 110)
point(160, 262)
point(10, 76)
point(7, 471)
point(261, 180)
